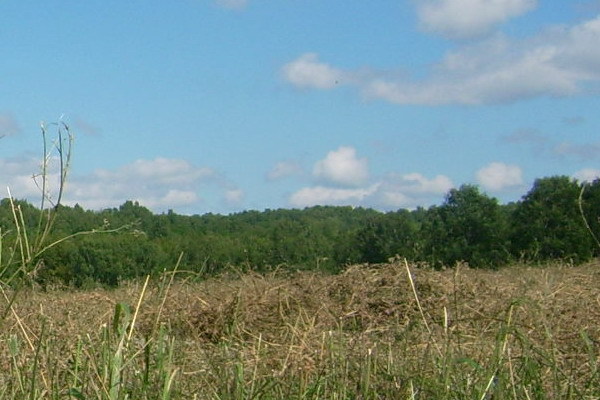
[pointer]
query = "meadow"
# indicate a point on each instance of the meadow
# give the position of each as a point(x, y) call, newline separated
point(374, 331)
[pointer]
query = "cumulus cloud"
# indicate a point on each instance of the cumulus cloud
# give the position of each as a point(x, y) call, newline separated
point(25, 164)
point(8, 124)
point(342, 167)
point(159, 184)
point(393, 191)
point(468, 18)
point(562, 61)
point(321, 195)
point(587, 175)
point(410, 190)
point(234, 196)
point(17, 174)
point(498, 176)
point(284, 169)
point(417, 183)
point(21, 178)
point(308, 72)
point(176, 197)
point(164, 171)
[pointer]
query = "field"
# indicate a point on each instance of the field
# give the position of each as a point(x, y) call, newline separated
point(373, 332)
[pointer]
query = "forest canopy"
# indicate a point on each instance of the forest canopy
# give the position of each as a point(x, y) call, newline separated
point(558, 219)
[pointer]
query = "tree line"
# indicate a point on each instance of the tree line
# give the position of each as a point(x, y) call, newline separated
point(558, 219)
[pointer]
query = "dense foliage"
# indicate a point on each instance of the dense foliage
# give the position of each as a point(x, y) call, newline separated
point(469, 226)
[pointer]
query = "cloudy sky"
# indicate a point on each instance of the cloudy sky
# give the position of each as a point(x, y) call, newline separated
point(226, 105)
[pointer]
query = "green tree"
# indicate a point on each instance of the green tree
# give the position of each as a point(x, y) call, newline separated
point(387, 235)
point(469, 226)
point(547, 223)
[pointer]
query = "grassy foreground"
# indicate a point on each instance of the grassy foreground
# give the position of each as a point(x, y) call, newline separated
point(374, 332)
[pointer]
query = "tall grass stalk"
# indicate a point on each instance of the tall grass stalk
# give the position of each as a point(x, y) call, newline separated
point(26, 249)
point(585, 220)
point(97, 366)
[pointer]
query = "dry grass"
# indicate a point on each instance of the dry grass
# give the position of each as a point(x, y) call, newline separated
point(515, 333)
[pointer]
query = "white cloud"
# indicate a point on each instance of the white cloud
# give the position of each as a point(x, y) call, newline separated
point(562, 61)
point(308, 72)
point(320, 195)
point(498, 176)
point(587, 175)
point(342, 167)
point(162, 184)
point(234, 196)
point(176, 197)
point(410, 190)
point(392, 192)
point(284, 169)
point(157, 201)
point(468, 18)
point(8, 124)
point(26, 164)
point(417, 183)
point(21, 175)
point(158, 184)
point(165, 171)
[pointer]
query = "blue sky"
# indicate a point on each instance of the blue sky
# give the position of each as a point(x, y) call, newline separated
point(226, 105)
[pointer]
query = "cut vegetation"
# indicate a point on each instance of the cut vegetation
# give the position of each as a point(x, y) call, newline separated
point(516, 333)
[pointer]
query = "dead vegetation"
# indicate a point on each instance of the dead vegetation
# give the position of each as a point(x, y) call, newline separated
point(520, 332)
